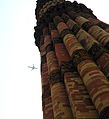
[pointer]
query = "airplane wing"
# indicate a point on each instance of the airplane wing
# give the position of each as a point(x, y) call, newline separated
point(30, 67)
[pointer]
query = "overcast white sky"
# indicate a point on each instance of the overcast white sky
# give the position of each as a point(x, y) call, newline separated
point(20, 88)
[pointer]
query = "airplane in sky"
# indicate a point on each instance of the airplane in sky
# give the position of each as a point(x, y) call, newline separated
point(32, 68)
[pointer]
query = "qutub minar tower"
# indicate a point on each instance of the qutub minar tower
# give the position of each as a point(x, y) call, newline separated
point(74, 49)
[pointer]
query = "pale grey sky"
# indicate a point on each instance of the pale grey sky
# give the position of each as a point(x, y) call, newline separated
point(20, 88)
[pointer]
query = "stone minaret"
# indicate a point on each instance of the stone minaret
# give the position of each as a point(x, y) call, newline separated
point(74, 50)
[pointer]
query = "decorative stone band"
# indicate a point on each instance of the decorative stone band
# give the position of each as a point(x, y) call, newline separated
point(72, 25)
point(93, 47)
point(43, 10)
point(42, 50)
point(69, 40)
point(97, 32)
point(96, 84)
point(65, 32)
point(47, 40)
point(99, 23)
point(80, 101)
point(98, 88)
point(72, 14)
point(53, 68)
point(101, 35)
point(61, 26)
point(96, 50)
point(49, 48)
point(52, 62)
point(81, 20)
point(82, 12)
point(67, 67)
point(55, 77)
point(48, 5)
point(88, 41)
point(84, 38)
point(62, 55)
point(79, 56)
point(72, 44)
point(54, 34)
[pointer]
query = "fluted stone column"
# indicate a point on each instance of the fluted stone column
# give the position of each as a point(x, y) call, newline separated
point(60, 102)
point(46, 90)
point(80, 101)
point(74, 49)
